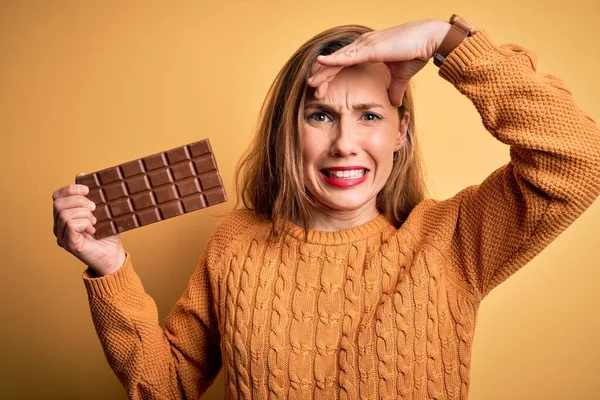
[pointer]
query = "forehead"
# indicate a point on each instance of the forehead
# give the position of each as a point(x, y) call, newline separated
point(368, 72)
point(369, 79)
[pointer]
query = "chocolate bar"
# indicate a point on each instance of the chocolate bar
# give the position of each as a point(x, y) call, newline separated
point(154, 188)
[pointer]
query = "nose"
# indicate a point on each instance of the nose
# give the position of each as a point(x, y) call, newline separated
point(344, 142)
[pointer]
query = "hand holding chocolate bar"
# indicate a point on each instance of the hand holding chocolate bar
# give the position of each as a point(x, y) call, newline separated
point(134, 194)
point(73, 228)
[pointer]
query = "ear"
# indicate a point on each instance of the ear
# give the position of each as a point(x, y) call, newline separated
point(402, 132)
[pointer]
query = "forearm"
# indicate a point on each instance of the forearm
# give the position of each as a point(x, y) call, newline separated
point(554, 172)
point(146, 358)
point(554, 144)
point(521, 107)
point(127, 325)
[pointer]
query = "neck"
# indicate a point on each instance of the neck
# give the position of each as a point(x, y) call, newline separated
point(332, 220)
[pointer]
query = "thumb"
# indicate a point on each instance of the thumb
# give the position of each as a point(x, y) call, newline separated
point(396, 91)
point(77, 176)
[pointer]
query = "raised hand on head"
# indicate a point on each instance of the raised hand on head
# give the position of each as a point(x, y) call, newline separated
point(404, 49)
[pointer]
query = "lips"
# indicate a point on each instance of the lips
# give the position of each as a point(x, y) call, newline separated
point(345, 177)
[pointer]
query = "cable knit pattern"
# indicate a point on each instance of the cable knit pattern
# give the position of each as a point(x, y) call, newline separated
point(372, 312)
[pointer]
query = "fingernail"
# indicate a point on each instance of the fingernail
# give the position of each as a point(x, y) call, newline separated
point(92, 205)
point(311, 79)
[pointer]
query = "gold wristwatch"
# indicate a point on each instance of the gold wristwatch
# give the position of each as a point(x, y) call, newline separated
point(459, 31)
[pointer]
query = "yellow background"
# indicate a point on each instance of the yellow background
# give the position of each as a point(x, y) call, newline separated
point(87, 85)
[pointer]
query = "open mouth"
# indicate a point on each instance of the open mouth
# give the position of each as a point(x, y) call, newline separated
point(348, 174)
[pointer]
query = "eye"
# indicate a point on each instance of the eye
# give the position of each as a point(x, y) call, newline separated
point(371, 117)
point(319, 117)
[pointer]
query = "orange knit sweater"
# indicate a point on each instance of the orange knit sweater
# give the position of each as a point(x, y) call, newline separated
point(371, 312)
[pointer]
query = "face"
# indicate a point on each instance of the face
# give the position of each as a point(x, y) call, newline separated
point(349, 138)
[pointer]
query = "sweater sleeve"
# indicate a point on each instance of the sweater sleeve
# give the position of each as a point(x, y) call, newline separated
point(177, 362)
point(553, 174)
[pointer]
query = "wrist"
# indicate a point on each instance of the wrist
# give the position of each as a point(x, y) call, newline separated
point(440, 29)
point(460, 29)
point(110, 266)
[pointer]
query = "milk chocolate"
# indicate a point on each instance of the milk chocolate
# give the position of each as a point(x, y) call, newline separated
point(153, 188)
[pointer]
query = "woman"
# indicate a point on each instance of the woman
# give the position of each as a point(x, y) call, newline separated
point(339, 279)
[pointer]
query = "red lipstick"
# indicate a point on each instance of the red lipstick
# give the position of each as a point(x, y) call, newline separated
point(344, 183)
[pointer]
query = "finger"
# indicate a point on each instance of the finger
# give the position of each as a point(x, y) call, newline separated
point(71, 201)
point(90, 228)
point(323, 75)
point(396, 92)
point(70, 190)
point(357, 52)
point(70, 229)
point(74, 233)
point(69, 214)
point(321, 90)
point(349, 55)
point(64, 203)
point(315, 68)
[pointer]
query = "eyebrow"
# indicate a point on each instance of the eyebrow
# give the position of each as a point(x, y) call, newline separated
point(358, 107)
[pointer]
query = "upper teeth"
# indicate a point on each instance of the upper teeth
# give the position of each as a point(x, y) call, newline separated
point(353, 173)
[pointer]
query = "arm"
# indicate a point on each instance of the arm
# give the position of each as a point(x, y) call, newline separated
point(554, 172)
point(180, 361)
point(553, 175)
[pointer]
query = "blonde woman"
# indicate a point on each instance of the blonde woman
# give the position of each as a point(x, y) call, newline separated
point(338, 278)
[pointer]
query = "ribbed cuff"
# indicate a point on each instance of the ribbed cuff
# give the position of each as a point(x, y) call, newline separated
point(469, 50)
point(109, 285)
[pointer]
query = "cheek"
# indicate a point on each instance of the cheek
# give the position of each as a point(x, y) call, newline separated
point(306, 153)
point(312, 147)
point(382, 145)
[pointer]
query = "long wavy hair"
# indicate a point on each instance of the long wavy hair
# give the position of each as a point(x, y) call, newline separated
point(269, 177)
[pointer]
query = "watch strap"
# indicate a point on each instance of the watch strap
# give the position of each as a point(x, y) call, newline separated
point(460, 29)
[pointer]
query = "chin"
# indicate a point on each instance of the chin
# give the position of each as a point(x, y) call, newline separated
point(346, 205)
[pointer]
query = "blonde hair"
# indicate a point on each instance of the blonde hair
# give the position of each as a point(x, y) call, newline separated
point(270, 178)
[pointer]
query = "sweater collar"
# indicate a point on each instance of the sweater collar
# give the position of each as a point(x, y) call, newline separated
point(355, 234)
